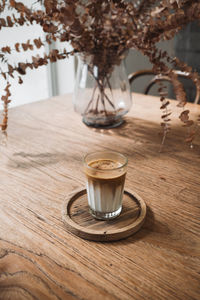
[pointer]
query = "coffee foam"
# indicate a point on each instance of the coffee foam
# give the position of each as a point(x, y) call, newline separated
point(105, 164)
point(99, 166)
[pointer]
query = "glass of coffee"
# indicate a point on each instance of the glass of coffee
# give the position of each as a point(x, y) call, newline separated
point(105, 177)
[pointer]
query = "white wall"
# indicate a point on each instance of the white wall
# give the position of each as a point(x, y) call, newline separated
point(62, 73)
point(35, 84)
point(39, 83)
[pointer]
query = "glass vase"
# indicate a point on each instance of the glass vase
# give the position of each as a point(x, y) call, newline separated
point(102, 98)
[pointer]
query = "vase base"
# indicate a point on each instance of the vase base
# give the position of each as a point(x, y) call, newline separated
point(103, 124)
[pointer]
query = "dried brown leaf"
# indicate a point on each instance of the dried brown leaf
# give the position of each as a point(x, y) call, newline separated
point(17, 47)
point(24, 46)
point(164, 105)
point(190, 137)
point(20, 81)
point(2, 22)
point(9, 21)
point(188, 123)
point(4, 75)
point(6, 49)
point(184, 116)
point(10, 70)
point(21, 68)
point(166, 115)
point(38, 43)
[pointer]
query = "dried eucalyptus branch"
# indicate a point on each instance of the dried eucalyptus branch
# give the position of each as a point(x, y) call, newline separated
point(88, 27)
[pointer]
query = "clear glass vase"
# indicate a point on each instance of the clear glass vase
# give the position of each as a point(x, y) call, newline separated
point(102, 98)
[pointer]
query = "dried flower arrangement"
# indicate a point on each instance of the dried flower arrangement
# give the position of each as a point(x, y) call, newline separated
point(102, 32)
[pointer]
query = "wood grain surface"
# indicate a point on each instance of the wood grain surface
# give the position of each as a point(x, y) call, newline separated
point(42, 164)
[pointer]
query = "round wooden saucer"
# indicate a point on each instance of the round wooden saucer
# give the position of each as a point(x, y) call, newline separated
point(76, 216)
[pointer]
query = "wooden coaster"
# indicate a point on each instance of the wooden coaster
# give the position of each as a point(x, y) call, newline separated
point(76, 216)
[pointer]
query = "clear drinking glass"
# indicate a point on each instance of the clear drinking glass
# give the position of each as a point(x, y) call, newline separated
point(105, 177)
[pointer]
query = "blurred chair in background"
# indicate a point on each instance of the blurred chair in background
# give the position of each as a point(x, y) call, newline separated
point(186, 46)
point(159, 77)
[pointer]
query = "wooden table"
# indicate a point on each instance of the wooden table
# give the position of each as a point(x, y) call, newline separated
point(40, 259)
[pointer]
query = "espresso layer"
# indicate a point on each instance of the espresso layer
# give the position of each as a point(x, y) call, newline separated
point(99, 166)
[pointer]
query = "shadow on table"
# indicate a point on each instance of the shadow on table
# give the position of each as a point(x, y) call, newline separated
point(150, 134)
point(23, 160)
point(150, 226)
point(133, 128)
point(147, 228)
point(145, 138)
point(130, 128)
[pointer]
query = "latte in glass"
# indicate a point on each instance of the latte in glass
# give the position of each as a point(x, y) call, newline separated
point(105, 177)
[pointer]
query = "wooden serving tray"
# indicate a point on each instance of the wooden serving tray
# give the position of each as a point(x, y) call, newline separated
point(76, 216)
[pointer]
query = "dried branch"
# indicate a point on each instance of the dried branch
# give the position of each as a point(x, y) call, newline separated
point(88, 27)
